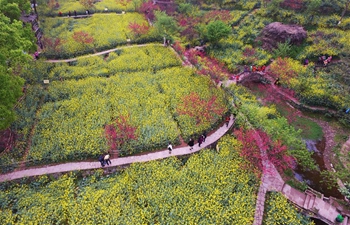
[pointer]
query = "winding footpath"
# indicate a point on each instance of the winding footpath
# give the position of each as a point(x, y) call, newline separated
point(98, 53)
point(74, 166)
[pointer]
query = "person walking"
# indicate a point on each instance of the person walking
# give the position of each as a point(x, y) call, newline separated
point(204, 135)
point(191, 143)
point(102, 160)
point(170, 147)
point(227, 121)
point(107, 160)
point(200, 140)
point(75, 13)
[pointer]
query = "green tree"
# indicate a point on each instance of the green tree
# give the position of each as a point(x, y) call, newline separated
point(12, 8)
point(217, 30)
point(166, 25)
point(16, 39)
point(10, 91)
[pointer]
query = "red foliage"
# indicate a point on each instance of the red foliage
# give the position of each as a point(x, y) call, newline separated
point(148, 8)
point(249, 55)
point(279, 97)
point(83, 37)
point(200, 109)
point(280, 68)
point(249, 52)
point(111, 135)
point(260, 151)
point(293, 4)
point(52, 44)
point(192, 56)
point(52, 4)
point(167, 6)
point(178, 48)
point(7, 139)
point(120, 132)
point(207, 66)
point(223, 15)
point(138, 29)
point(188, 25)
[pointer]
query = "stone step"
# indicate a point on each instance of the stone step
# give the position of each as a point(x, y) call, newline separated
point(306, 201)
point(311, 202)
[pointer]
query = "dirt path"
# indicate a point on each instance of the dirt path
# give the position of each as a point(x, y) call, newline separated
point(328, 133)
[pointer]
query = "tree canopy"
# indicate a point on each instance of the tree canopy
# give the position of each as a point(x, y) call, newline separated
point(216, 30)
point(16, 39)
point(10, 91)
point(166, 25)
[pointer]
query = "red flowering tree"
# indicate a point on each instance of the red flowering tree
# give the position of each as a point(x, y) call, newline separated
point(148, 8)
point(249, 56)
point(52, 44)
point(119, 132)
point(188, 27)
point(284, 69)
point(138, 29)
point(213, 68)
point(260, 151)
point(83, 37)
point(192, 56)
point(279, 96)
point(201, 110)
point(7, 139)
point(178, 48)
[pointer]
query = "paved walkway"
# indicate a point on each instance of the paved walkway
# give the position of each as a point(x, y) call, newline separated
point(309, 201)
point(66, 167)
point(98, 53)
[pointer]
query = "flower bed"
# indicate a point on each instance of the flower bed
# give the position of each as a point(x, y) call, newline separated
point(68, 37)
point(210, 188)
point(134, 59)
point(279, 211)
point(52, 7)
point(72, 120)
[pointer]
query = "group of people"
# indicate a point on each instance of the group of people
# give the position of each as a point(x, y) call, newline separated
point(200, 140)
point(324, 60)
point(254, 68)
point(75, 13)
point(105, 159)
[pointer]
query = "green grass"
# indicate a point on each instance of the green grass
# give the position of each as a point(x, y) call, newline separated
point(310, 129)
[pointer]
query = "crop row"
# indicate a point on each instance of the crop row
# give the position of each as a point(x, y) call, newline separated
point(52, 7)
point(133, 59)
point(210, 188)
point(72, 121)
point(279, 211)
point(67, 37)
